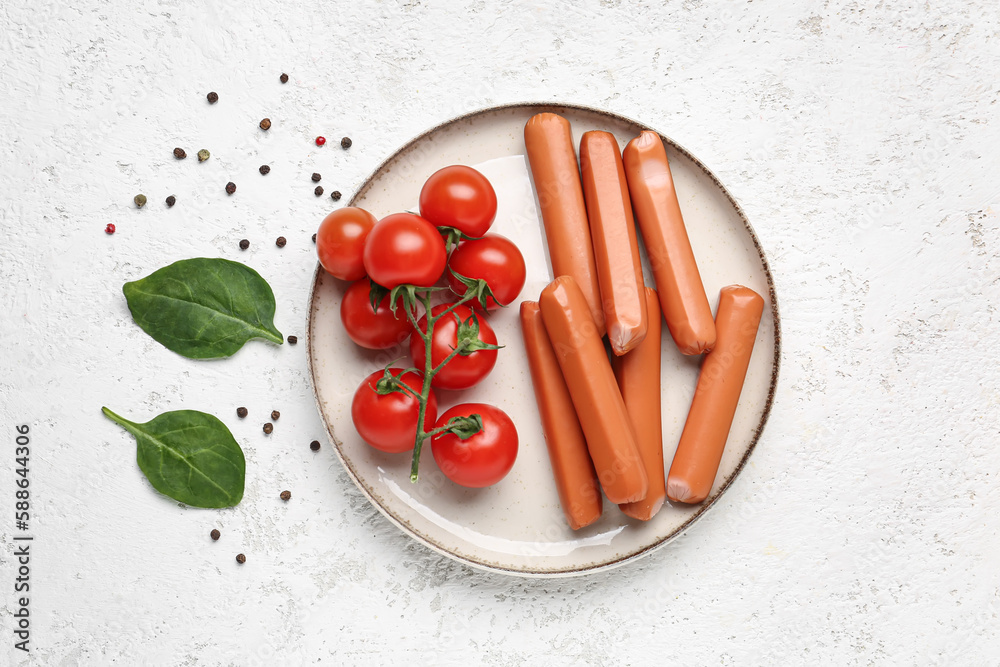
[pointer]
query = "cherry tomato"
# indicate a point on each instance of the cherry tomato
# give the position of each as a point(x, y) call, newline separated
point(494, 259)
point(340, 242)
point(389, 422)
point(463, 371)
point(483, 458)
point(403, 248)
point(459, 197)
point(376, 330)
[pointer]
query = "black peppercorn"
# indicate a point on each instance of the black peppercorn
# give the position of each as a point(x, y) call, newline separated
point(213, 98)
point(292, 340)
point(179, 153)
point(215, 534)
point(171, 200)
point(240, 558)
point(286, 495)
point(275, 415)
point(314, 238)
point(316, 177)
point(241, 412)
point(314, 445)
point(244, 244)
point(280, 241)
point(345, 143)
point(265, 124)
point(284, 78)
point(230, 187)
point(264, 170)
point(318, 191)
point(268, 427)
point(335, 195)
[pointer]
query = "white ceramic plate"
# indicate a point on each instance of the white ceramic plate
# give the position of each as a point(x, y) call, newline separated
point(517, 526)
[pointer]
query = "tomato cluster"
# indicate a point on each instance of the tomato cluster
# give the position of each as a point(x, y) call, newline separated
point(398, 263)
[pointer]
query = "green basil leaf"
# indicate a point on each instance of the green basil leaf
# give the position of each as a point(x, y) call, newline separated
point(190, 456)
point(203, 308)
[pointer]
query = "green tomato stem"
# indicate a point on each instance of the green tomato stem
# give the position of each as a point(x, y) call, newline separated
point(439, 429)
point(429, 370)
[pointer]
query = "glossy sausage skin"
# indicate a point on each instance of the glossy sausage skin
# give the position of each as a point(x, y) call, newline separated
point(577, 344)
point(682, 295)
point(554, 170)
point(638, 375)
point(720, 382)
point(576, 481)
point(616, 246)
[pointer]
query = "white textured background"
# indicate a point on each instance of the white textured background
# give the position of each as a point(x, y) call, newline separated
point(864, 145)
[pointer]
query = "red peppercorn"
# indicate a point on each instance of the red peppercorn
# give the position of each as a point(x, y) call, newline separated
point(110, 229)
point(320, 141)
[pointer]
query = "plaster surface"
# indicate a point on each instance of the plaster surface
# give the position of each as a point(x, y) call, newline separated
point(863, 144)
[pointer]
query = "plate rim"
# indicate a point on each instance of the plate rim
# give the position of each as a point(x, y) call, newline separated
point(553, 107)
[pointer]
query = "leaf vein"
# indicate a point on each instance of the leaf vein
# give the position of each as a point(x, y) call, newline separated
point(159, 443)
point(228, 316)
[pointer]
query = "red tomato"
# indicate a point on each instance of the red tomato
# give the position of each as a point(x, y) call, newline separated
point(376, 330)
point(389, 422)
point(463, 371)
point(494, 259)
point(459, 197)
point(403, 248)
point(483, 458)
point(340, 242)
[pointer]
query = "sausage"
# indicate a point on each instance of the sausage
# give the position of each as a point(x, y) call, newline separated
point(682, 295)
point(577, 344)
point(549, 144)
point(616, 246)
point(699, 451)
point(638, 375)
point(576, 481)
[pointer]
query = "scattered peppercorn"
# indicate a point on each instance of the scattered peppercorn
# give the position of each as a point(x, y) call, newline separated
point(241, 412)
point(140, 200)
point(230, 187)
point(244, 244)
point(179, 153)
point(292, 340)
point(316, 177)
point(314, 238)
point(203, 155)
point(284, 78)
point(280, 241)
point(264, 170)
point(320, 141)
point(240, 558)
point(335, 195)
point(318, 191)
point(275, 415)
point(314, 445)
point(171, 200)
point(213, 98)
point(215, 534)
point(286, 495)
point(268, 427)
point(345, 143)
point(110, 229)
point(265, 124)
